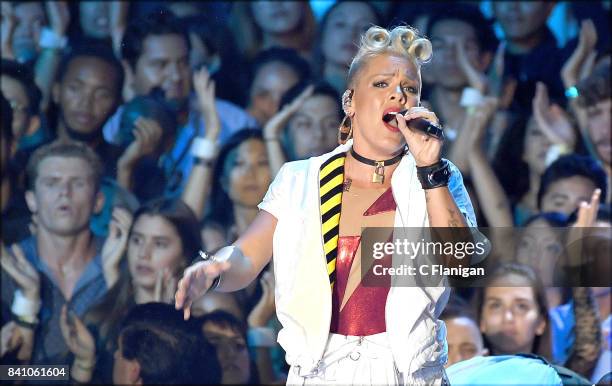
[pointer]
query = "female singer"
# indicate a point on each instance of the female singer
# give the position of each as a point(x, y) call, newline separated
point(335, 329)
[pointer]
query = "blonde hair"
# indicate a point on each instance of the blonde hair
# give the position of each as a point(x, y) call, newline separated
point(402, 41)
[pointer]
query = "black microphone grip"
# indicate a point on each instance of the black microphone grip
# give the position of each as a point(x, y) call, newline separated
point(420, 124)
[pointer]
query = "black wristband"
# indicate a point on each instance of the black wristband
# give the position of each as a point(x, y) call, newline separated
point(215, 283)
point(24, 323)
point(434, 176)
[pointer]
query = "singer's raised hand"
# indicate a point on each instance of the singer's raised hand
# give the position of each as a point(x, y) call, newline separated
point(424, 148)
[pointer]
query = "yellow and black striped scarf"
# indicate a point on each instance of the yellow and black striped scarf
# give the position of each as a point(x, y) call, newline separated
point(331, 179)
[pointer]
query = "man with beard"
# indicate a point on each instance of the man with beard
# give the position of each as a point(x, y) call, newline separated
point(155, 54)
point(87, 92)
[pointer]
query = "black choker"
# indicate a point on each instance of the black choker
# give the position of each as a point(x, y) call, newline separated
point(379, 172)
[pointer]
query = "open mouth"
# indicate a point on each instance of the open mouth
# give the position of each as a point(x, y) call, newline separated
point(389, 118)
point(391, 122)
point(392, 126)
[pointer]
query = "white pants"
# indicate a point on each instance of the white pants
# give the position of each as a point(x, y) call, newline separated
point(355, 360)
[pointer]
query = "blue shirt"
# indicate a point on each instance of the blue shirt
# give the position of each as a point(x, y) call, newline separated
point(562, 324)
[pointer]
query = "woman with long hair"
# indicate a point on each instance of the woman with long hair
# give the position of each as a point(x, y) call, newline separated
point(240, 178)
point(163, 239)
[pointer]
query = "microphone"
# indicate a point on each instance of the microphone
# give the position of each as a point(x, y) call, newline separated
point(419, 124)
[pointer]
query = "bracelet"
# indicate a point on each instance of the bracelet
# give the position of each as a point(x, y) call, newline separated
point(215, 284)
point(434, 176)
point(203, 148)
point(571, 92)
point(470, 97)
point(203, 256)
point(223, 254)
point(50, 39)
point(23, 306)
point(26, 322)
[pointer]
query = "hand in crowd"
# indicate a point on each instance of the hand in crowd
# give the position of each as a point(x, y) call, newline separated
point(165, 286)
point(277, 123)
point(19, 268)
point(115, 244)
point(491, 197)
point(81, 343)
point(59, 16)
point(274, 127)
point(199, 184)
point(147, 135)
point(476, 79)
point(205, 90)
point(582, 60)
point(496, 70)
point(27, 279)
point(585, 220)
point(425, 149)
point(479, 118)
point(490, 83)
point(552, 119)
point(587, 211)
point(15, 337)
point(7, 28)
point(265, 308)
point(9, 338)
point(196, 280)
point(502, 88)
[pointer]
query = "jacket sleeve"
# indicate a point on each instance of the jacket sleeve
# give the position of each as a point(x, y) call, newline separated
point(462, 199)
point(275, 200)
point(460, 195)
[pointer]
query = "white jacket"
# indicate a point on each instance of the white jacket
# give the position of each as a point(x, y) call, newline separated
point(303, 294)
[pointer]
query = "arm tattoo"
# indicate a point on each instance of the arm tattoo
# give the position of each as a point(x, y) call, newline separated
point(453, 222)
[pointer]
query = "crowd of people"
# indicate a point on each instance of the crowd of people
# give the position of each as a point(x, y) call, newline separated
point(136, 135)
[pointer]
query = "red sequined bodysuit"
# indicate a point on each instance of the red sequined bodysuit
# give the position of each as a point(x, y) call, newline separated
point(364, 312)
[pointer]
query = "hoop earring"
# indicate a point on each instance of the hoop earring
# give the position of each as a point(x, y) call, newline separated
point(345, 131)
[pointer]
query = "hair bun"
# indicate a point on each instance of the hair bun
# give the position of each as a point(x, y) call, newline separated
point(405, 36)
point(402, 41)
point(375, 38)
point(421, 50)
